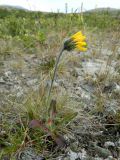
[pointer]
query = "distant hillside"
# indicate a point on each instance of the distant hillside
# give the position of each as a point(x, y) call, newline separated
point(112, 10)
point(9, 7)
point(115, 13)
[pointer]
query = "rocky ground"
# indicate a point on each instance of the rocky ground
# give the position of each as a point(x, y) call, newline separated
point(92, 83)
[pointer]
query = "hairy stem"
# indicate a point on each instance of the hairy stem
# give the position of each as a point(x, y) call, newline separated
point(55, 69)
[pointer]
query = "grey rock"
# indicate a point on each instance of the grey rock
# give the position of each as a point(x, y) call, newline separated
point(101, 152)
point(29, 154)
point(80, 155)
point(109, 144)
point(32, 82)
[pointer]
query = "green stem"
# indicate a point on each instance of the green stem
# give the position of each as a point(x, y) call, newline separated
point(55, 69)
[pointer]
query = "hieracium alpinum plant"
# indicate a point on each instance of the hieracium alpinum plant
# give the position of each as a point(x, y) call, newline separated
point(48, 126)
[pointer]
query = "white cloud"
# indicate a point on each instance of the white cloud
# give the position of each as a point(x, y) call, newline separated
point(49, 5)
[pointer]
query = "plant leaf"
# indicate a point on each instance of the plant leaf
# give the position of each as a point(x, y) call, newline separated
point(60, 141)
point(38, 124)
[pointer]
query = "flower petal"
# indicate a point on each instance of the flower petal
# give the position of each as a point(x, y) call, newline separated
point(77, 34)
point(81, 48)
point(81, 43)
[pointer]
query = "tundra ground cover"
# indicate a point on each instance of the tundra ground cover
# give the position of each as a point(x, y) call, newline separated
point(85, 93)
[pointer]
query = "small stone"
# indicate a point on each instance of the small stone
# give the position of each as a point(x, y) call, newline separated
point(31, 82)
point(109, 144)
point(8, 73)
point(73, 155)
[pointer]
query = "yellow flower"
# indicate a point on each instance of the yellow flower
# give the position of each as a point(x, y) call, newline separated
point(76, 41)
point(79, 40)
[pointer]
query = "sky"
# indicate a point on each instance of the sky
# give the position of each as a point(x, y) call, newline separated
point(55, 5)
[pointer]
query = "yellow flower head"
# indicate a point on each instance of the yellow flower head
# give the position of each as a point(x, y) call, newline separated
point(76, 41)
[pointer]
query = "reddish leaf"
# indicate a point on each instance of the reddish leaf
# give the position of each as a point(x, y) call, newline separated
point(38, 124)
point(35, 124)
point(60, 141)
point(50, 122)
